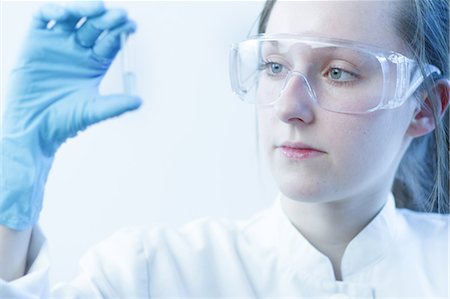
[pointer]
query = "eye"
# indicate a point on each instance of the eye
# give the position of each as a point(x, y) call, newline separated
point(275, 68)
point(340, 75)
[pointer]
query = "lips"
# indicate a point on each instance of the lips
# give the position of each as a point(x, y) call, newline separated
point(299, 150)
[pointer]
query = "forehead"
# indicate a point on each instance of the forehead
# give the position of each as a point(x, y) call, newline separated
point(371, 22)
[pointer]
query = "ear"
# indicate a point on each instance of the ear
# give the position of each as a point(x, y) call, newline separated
point(423, 121)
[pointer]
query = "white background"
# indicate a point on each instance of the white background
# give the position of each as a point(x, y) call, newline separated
point(189, 152)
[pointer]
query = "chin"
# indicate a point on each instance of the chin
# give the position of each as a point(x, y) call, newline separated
point(304, 190)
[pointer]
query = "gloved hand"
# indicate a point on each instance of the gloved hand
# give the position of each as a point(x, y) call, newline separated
point(53, 93)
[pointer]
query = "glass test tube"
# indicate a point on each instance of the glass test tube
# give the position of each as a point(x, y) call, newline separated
point(128, 76)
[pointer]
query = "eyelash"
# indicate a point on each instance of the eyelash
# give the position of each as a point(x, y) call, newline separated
point(341, 83)
point(265, 65)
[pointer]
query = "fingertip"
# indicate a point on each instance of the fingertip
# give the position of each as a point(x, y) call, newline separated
point(111, 19)
point(105, 107)
point(118, 16)
point(87, 8)
point(135, 102)
point(95, 8)
point(109, 45)
point(129, 27)
point(133, 26)
point(120, 13)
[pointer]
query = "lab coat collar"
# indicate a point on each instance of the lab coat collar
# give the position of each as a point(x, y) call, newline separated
point(367, 248)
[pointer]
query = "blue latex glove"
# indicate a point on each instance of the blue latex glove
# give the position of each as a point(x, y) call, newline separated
point(53, 93)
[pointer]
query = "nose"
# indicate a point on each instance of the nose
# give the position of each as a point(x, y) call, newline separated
point(296, 100)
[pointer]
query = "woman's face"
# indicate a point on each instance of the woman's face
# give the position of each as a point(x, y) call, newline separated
point(360, 152)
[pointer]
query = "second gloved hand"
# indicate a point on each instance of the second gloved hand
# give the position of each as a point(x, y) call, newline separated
point(53, 93)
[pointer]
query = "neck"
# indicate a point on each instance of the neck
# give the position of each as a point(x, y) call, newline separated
point(330, 226)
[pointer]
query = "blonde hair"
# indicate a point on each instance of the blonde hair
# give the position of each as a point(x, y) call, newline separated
point(422, 179)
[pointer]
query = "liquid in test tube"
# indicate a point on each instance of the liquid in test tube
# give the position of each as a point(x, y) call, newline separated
point(128, 76)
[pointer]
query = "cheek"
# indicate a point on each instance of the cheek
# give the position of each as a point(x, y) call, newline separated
point(377, 135)
point(266, 127)
point(368, 143)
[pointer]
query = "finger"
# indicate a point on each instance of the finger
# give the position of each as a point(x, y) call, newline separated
point(86, 8)
point(109, 45)
point(65, 120)
point(78, 11)
point(47, 13)
point(93, 28)
point(87, 34)
point(104, 107)
point(67, 23)
point(110, 19)
point(67, 15)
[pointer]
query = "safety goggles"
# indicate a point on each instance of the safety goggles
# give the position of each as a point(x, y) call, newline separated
point(339, 75)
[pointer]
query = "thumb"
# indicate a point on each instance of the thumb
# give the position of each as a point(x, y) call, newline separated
point(66, 120)
point(103, 107)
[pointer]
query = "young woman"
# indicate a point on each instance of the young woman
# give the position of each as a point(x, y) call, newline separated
point(351, 107)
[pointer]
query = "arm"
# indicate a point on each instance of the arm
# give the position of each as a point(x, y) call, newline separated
point(53, 93)
point(13, 252)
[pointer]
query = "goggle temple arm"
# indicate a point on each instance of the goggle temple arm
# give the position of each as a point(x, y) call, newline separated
point(409, 78)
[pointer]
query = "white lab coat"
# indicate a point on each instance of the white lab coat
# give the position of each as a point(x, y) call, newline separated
point(400, 254)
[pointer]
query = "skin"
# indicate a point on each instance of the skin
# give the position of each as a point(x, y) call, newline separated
point(13, 252)
point(354, 175)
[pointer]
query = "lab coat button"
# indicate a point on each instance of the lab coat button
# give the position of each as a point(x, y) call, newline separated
point(340, 296)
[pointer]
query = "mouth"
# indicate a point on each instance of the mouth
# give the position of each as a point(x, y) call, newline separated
point(299, 151)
